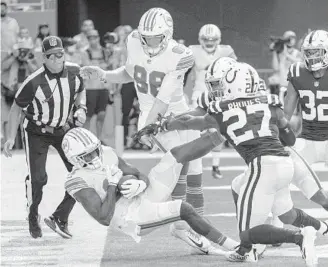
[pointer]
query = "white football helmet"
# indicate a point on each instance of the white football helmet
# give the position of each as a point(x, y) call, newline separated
point(82, 148)
point(241, 81)
point(155, 30)
point(315, 50)
point(209, 37)
point(216, 72)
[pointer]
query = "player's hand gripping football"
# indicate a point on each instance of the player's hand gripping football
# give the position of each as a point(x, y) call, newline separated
point(93, 73)
point(132, 188)
point(114, 174)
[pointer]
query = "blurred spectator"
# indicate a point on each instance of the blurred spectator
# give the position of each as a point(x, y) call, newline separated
point(71, 53)
point(128, 93)
point(15, 67)
point(97, 91)
point(43, 32)
point(9, 31)
point(81, 39)
point(281, 60)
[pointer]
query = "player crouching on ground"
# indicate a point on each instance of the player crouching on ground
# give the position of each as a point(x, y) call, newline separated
point(144, 206)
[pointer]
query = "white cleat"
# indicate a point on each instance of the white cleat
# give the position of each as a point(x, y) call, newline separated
point(308, 249)
point(198, 243)
point(238, 256)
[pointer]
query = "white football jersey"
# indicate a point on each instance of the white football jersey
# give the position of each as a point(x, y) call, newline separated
point(80, 178)
point(160, 76)
point(204, 59)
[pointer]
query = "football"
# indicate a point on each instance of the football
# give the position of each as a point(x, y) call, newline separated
point(124, 179)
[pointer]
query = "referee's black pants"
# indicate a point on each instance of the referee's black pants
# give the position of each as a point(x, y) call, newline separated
point(128, 93)
point(36, 148)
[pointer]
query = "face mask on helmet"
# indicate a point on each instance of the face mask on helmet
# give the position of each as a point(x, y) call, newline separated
point(215, 87)
point(153, 44)
point(209, 44)
point(91, 159)
point(314, 58)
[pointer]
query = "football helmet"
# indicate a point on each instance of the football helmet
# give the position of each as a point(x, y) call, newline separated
point(82, 149)
point(216, 72)
point(155, 30)
point(241, 81)
point(315, 50)
point(209, 37)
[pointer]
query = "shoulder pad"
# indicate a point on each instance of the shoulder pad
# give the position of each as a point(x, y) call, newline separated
point(135, 34)
point(294, 70)
point(186, 61)
point(214, 107)
point(179, 49)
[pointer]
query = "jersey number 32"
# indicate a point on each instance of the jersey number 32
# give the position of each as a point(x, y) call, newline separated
point(241, 122)
point(147, 83)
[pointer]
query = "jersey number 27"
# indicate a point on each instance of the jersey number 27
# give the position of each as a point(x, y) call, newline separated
point(241, 122)
point(147, 83)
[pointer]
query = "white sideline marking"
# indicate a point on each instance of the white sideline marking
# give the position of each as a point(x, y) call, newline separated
point(318, 167)
point(158, 155)
point(228, 187)
point(321, 250)
point(316, 212)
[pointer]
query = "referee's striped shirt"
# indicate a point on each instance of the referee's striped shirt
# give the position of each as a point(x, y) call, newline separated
point(47, 98)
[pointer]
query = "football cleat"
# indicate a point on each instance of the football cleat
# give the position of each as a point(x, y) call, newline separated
point(308, 249)
point(240, 254)
point(216, 173)
point(199, 244)
point(58, 226)
point(34, 225)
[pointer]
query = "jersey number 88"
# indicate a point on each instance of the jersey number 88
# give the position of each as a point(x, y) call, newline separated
point(150, 85)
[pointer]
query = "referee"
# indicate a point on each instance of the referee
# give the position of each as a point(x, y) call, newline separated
point(45, 100)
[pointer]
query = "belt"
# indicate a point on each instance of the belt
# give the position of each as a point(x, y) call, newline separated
point(49, 129)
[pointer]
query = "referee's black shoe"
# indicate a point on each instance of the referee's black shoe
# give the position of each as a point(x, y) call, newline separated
point(34, 225)
point(58, 226)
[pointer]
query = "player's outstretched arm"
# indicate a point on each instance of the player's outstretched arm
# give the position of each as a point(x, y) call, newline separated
point(198, 147)
point(286, 134)
point(188, 122)
point(119, 75)
point(101, 211)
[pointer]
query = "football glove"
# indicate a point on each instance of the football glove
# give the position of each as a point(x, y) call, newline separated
point(132, 188)
point(114, 174)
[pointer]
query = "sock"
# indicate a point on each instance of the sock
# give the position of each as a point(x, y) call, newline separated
point(195, 195)
point(269, 234)
point(204, 228)
point(303, 220)
point(215, 159)
point(179, 192)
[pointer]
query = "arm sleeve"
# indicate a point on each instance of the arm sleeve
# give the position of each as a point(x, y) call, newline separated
point(75, 184)
point(204, 100)
point(25, 93)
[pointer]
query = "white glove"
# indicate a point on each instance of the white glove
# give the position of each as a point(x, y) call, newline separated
point(132, 188)
point(114, 175)
point(93, 73)
point(80, 116)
